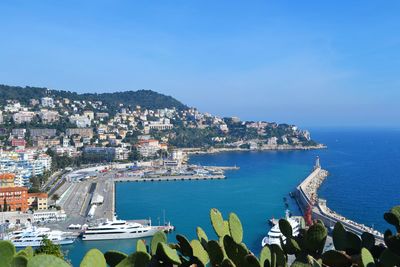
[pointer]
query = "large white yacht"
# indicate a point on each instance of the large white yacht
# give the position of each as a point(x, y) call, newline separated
point(275, 234)
point(121, 229)
point(33, 237)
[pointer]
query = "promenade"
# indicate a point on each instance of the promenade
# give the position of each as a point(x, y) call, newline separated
point(307, 196)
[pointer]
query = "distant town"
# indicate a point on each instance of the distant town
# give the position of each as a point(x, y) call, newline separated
point(43, 137)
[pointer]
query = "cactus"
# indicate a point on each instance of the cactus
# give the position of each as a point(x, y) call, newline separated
point(202, 236)
point(339, 237)
point(278, 257)
point(217, 222)
point(215, 252)
point(315, 238)
point(19, 261)
point(227, 263)
point(336, 258)
point(367, 240)
point(235, 252)
point(29, 252)
point(167, 254)
point(43, 260)
point(184, 246)
point(286, 228)
point(367, 259)
point(251, 261)
point(353, 243)
point(159, 237)
point(114, 257)
point(199, 251)
point(393, 217)
point(94, 257)
point(141, 246)
point(388, 258)
point(7, 251)
point(291, 246)
point(137, 259)
point(235, 228)
point(265, 256)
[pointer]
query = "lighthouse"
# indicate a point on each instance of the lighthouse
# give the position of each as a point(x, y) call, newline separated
point(317, 164)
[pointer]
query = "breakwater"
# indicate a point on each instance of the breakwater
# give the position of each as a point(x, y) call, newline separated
point(306, 195)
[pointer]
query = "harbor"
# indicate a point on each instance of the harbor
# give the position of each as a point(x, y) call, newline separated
point(306, 196)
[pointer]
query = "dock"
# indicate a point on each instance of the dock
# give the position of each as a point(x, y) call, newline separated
point(306, 196)
point(169, 178)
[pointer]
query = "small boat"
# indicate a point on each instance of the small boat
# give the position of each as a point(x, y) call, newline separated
point(274, 235)
point(121, 229)
point(33, 237)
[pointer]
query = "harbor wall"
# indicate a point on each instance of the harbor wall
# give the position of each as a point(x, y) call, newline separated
point(320, 211)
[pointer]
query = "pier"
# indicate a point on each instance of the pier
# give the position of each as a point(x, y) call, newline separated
point(306, 195)
point(168, 178)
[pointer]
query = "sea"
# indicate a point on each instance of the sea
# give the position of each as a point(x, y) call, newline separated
point(364, 182)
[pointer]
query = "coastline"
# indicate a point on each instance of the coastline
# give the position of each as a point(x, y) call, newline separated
point(190, 151)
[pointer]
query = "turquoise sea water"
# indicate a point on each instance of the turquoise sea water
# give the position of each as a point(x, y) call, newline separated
point(364, 182)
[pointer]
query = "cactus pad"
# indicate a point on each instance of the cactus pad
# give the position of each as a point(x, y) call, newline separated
point(265, 256)
point(286, 228)
point(251, 261)
point(227, 263)
point(353, 243)
point(366, 258)
point(199, 251)
point(339, 237)
point(167, 254)
point(235, 228)
point(201, 235)
point(137, 259)
point(367, 240)
point(336, 258)
point(159, 237)
point(217, 222)
point(114, 257)
point(141, 246)
point(315, 238)
point(215, 252)
point(94, 257)
point(47, 261)
point(19, 261)
point(7, 251)
point(184, 245)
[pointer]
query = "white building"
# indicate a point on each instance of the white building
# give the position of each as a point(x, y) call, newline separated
point(23, 116)
point(47, 102)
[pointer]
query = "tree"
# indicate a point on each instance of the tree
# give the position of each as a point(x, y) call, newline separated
point(49, 248)
point(55, 197)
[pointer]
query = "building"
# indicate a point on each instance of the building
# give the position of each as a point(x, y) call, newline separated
point(21, 143)
point(48, 116)
point(37, 201)
point(23, 116)
point(84, 132)
point(148, 148)
point(80, 121)
point(47, 102)
point(89, 114)
point(99, 153)
point(14, 198)
point(7, 180)
point(42, 132)
point(18, 132)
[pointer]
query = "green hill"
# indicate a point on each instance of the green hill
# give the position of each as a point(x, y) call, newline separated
point(144, 98)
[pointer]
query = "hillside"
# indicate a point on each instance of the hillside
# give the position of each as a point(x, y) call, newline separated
point(144, 98)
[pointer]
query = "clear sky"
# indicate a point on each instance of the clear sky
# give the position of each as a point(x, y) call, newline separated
point(312, 63)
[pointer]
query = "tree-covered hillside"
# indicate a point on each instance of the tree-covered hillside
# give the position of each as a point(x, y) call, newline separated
point(144, 98)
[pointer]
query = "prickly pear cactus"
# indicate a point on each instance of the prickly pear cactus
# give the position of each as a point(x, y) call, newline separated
point(199, 252)
point(315, 238)
point(201, 235)
point(367, 259)
point(137, 259)
point(94, 257)
point(285, 228)
point(141, 246)
point(159, 237)
point(184, 246)
point(336, 258)
point(215, 253)
point(48, 261)
point(251, 261)
point(235, 228)
point(339, 237)
point(7, 251)
point(19, 261)
point(114, 257)
point(265, 256)
point(217, 222)
point(167, 254)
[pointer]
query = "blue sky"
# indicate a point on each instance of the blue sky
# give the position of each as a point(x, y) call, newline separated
point(312, 63)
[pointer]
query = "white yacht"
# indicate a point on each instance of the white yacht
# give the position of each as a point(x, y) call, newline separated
point(275, 234)
point(33, 237)
point(120, 229)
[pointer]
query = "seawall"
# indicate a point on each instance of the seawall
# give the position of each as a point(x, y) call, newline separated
point(306, 196)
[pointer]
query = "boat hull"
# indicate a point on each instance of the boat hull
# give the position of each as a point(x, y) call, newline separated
point(38, 243)
point(113, 236)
